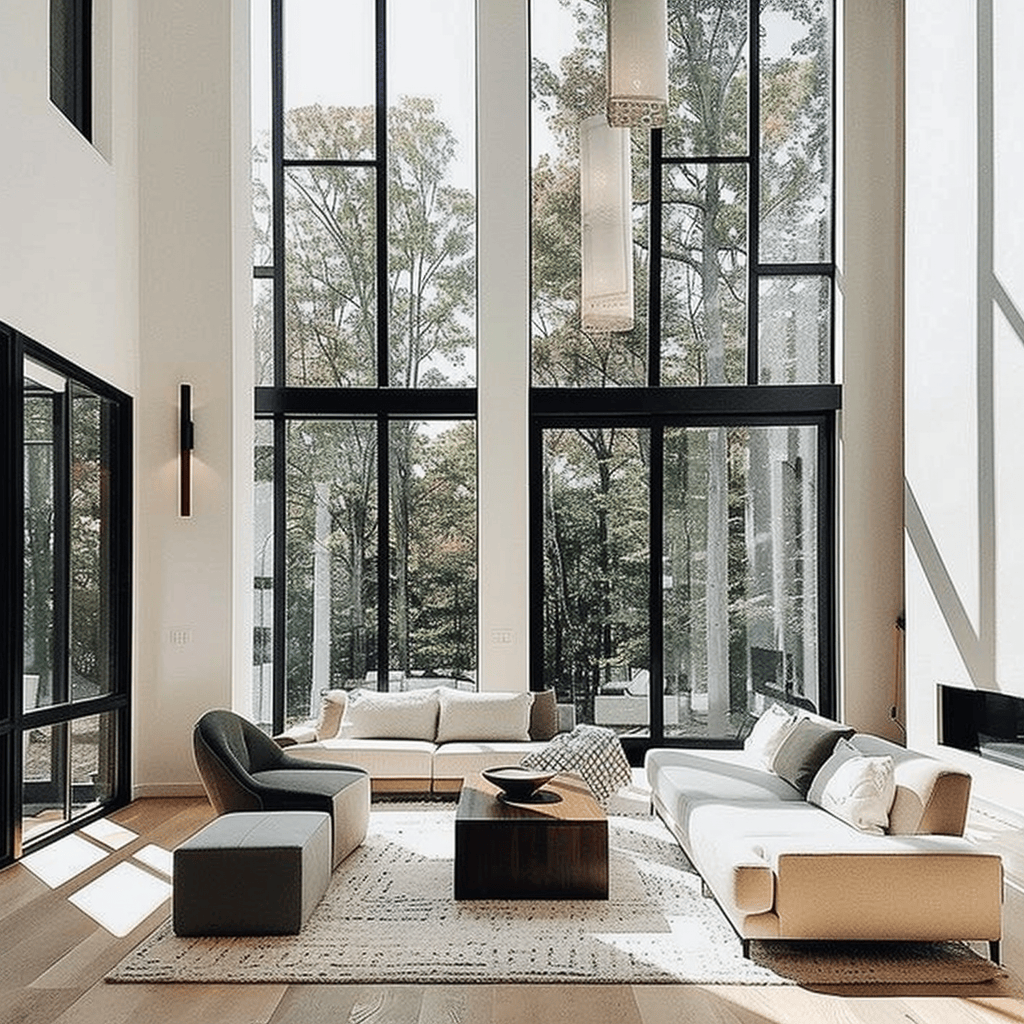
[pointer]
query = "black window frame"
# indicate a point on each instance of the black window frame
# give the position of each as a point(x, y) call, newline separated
point(383, 403)
point(752, 403)
point(15, 719)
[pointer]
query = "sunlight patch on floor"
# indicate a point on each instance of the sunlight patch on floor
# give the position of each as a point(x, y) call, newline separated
point(121, 898)
point(61, 861)
point(157, 858)
point(109, 833)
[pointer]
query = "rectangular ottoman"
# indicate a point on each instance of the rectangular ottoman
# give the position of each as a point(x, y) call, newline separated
point(252, 873)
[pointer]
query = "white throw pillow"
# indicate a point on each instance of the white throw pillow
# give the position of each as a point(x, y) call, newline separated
point(483, 716)
point(857, 789)
point(768, 734)
point(373, 715)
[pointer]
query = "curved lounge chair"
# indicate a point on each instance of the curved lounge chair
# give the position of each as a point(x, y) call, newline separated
point(242, 769)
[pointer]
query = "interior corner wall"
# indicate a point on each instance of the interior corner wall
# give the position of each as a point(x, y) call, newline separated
point(869, 326)
point(964, 366)
point(188, 310)
point(68, 262)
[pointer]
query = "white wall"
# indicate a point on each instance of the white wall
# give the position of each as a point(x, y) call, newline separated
point(965, 363)
point(68, 214)
point(189, 312)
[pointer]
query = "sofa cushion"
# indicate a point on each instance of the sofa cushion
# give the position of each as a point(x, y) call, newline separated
point(459, 759)
point(807, 747)
point(765, 738)
point(543, 715)
point(483, 716)
point(402, 759)
point(856, 789)
point(332, 707)
point(370, 714)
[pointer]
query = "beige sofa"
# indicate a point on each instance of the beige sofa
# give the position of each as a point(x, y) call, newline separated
point(782, 867)
point(427, 741)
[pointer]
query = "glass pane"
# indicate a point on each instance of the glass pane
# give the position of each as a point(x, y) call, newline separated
point(433, 600)
point(93, 761)
point(43, 780)
point(260, 64)
point(263, 331)
point(331, 276)
point(704, 275)
point(331, 552)
point(329, 79)
point(796, 132)
point(708, 72)
point(597, 574)
point(431, 193)
point(43, 402)
point(568, 84)
point(262, 696)
point(91, 655)
point(740, 577)
point(795, 325)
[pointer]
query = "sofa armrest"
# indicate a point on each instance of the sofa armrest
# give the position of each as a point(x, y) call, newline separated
point(303, 733)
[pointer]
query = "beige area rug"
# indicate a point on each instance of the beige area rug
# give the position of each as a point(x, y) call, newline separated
point(389, 916)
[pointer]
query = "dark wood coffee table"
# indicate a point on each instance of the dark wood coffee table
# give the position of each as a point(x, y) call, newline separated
point(553, 851)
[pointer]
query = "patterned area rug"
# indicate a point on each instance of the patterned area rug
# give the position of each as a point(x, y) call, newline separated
point(389, 917)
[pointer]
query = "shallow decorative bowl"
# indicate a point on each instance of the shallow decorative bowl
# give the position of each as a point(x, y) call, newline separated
point(517, 783)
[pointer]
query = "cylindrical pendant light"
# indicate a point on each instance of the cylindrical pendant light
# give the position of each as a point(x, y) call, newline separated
point(637, 63)
point(606, 226)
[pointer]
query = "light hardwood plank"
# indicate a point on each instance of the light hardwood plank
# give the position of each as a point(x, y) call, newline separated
point(565, 1004)
point(457, 1004)
point(174, 1004)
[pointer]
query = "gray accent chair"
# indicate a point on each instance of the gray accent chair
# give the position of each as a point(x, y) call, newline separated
point(243, 769)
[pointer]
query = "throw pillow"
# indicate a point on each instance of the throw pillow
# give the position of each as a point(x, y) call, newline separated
point(592, 752)
point(543, 715)
point(855, 788)
point(483, 716)
point(774, 725)
point(332, 707)
point(374, 715)
point(807, 747)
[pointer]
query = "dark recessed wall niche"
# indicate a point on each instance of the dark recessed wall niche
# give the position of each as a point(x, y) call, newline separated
point(984, 723)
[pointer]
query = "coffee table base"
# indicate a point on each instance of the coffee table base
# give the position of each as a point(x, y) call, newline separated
point(518, 851)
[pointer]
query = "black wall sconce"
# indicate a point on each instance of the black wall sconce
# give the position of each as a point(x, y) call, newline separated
point(186, 442)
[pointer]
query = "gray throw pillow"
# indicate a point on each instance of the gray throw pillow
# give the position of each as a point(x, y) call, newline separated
point(802, 753)
point(543, 715)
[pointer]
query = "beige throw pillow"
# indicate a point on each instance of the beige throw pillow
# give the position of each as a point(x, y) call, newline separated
point(857, 789)
point(483, 716)
point(373, 715)
point(774, 725)
point(332, 707)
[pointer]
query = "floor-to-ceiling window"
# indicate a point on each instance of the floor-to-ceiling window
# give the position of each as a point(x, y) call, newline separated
point(66, 595)
point(364, 297)
point(682, 470)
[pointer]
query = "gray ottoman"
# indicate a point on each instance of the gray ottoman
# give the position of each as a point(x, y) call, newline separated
point(252, 873)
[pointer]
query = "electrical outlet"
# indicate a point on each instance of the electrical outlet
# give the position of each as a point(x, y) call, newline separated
point(501, 636)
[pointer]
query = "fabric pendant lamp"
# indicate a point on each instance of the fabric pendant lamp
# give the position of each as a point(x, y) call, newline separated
point(637, 63)
point(606, 226)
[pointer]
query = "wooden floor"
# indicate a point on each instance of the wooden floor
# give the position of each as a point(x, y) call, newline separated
point(53, 958)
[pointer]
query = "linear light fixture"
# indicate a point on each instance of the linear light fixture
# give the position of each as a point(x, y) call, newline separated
point(186, 442)
point(606, 226)
point(637, 63)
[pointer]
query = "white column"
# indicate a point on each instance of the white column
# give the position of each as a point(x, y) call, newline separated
point(503, 178)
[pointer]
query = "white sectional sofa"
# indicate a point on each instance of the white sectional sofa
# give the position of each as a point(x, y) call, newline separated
point(428, 740)
point(887, 861)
